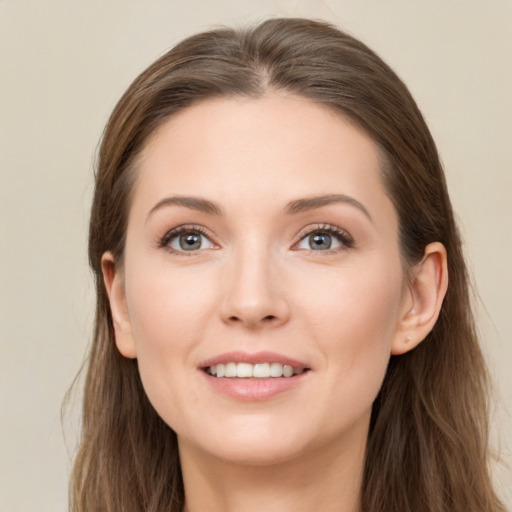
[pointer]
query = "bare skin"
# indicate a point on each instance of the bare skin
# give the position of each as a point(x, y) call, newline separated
point(260, 232)
point(297, 485)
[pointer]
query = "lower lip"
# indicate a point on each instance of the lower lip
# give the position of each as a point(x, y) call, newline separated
point(252, 390)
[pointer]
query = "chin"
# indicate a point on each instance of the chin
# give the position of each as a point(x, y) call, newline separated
point(254, 453)
point(261, 441)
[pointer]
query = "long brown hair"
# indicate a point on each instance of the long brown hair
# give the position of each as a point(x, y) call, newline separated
point(427, 448)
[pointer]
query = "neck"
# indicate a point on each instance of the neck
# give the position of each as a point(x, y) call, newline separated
point(328, 479)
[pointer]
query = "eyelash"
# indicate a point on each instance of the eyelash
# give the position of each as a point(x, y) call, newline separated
point(342, 236)
point(181, 230)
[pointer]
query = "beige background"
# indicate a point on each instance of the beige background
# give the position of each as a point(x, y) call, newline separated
point(64, 64)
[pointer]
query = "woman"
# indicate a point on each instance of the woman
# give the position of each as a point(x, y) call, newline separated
point(272, 237)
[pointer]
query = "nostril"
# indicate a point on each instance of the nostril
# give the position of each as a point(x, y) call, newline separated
point(268, 318)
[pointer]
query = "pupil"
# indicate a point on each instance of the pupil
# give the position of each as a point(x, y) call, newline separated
point(320, 241)
point(189, 242)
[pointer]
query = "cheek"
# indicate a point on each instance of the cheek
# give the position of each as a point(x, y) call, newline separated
point(168, 308)
point(355, 323)
point(170, 314)
point(357, 301)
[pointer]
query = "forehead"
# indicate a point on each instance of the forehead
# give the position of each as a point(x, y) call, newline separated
point(275, 147)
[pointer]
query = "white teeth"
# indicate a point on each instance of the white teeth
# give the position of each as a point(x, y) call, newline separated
point(261, 371)
point(287, 370)
point(230, 370)
point(257, 371)
point(243, 370)
point(276, 370)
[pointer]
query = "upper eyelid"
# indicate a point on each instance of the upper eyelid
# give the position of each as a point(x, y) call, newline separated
point(331, 228)
point(344, 238)
point(184, 228)
point(170, 236)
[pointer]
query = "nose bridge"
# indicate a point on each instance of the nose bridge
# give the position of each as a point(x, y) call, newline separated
point(254, 295)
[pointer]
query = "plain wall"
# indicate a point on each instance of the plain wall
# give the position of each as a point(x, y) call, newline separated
point(63, 65)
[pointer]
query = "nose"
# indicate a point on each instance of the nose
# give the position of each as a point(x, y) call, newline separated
point(254, 295)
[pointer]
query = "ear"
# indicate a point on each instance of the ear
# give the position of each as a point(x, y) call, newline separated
point(114, 284)
point(423, 299)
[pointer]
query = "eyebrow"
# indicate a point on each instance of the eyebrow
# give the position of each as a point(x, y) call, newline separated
point(311, 203)
point(194, 203)
point(293, 207)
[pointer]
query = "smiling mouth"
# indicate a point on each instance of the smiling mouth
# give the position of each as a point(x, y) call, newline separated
point(254, 371)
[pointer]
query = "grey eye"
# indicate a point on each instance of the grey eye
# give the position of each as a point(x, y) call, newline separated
point(319, 241)
point(190, 241)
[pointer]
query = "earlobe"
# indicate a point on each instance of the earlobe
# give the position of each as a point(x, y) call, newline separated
point(113, 280)
point(425, 296)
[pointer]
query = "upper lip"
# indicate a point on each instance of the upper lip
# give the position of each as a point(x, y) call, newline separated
point(254, 358)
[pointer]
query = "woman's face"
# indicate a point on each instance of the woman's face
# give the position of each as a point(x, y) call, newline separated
point(261, 241)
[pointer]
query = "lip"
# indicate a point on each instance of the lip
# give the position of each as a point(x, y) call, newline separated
point(253, 390)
